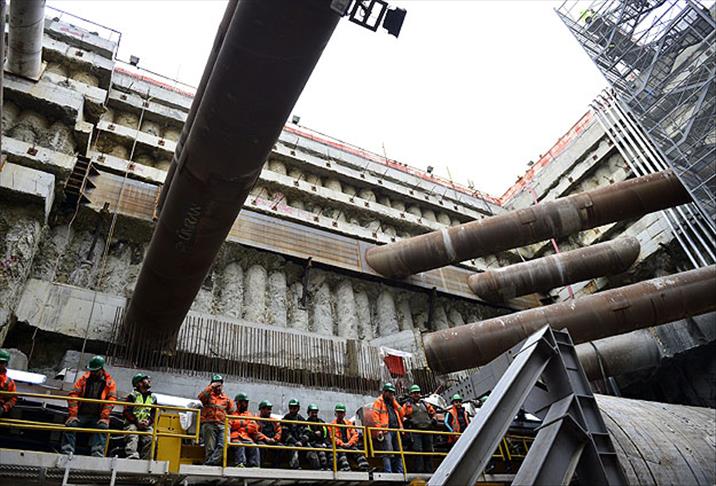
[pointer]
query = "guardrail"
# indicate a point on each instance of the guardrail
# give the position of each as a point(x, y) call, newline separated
point(154, 433)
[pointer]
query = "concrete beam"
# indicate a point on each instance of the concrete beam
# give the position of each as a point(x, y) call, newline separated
point(153, 110)
point(167, 97)
point(39, 158)
point(64, 53)
point(80, 38)
point(50, 99)
point(25, 184)
point(127, 135)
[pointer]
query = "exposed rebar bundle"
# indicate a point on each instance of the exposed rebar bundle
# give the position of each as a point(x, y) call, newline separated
point(616, 311)
point(552, 219)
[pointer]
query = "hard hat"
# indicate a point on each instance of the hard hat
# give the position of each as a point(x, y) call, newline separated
point(340, 407)
point(217, 377)
point(138, 377)
point(265, 404)
point(294, 403)
point(96, 363)
point(241, 397)
point(389, 387)
point(4, 356)
point(414, 389)
point(456, 397)
point(312, 407)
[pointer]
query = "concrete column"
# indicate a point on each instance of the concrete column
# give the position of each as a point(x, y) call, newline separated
point(163, 164)
point(455, 318)
point(455, 222)
point(365, 324)
point(384, 200)
point(295, 173)
point(277, 314)
point(28, 127)
point(171, 134)
point(151, 128)
point(346, 311)
point(414, 210)
point(231, 298)
point(367, 194)
point(444, 218)
point(386, 314)
point(203, 302)
point(126, 118)
point(322, 311)
point(277, 166)
point(296, 203)
point(297, 316)
point(399, 205)
point(313, 179)
point(389, 230)
point(255, 294)
point(440, 318)
point(429, 214)
point(59, 138)
point(85, 77)
point(350, 190)
point(334, 184)
point(9, 115)
point(405, 314)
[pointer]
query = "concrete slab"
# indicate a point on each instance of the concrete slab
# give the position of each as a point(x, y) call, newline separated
point(179, 97)
point(63, 53)
point(127, 135)
point(81, 38)
point(39, 158)
point(52, 100)
point(153, 109)
point(28, 184)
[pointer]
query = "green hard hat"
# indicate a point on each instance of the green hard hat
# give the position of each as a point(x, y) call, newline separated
point(4, 356)
point(138, 377)
point(414, 389)
point(456, 397)
point(312, 407)
point(241, 397)
point(96, 363)
point(294, 403)
point(265, 404)
point(389, 387)
point(217, 377)
point(340, 407)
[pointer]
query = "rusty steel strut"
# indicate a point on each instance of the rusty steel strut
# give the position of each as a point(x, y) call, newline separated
point(629, 199)
point(607, 313)
point(268, 52)
point(544, 274)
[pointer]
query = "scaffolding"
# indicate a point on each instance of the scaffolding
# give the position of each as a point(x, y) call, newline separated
point(660, 58)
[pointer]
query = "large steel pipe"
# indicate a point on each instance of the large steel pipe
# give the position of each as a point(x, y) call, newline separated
point(544, 274)
point(268, 53)
point(553, 219)
point(616, 311)
point(27, 27)
point(198, 96)
point(616, 355)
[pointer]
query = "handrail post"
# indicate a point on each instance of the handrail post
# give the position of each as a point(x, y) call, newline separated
point(198, 426)
point(333, 445)
point(155, 425)
point(402, 454)
point(227, 436)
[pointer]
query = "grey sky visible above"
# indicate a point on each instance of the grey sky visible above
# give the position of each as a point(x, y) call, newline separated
point(481, 86)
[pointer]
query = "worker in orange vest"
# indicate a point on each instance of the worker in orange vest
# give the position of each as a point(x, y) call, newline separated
point(6, 385)
point(98, 384)
point(216, 405)
point(242, 431)
point(387, 413)
point(457, 419)
point(346, 438)
point(268, 432)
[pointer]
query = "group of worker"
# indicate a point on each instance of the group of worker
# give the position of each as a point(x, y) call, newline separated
point(307, 437)
point(293, 431)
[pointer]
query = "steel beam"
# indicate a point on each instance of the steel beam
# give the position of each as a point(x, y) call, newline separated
point(27, 28)
point(625, 200)
point(268, 53)
point(544, 274)
point(616, 311)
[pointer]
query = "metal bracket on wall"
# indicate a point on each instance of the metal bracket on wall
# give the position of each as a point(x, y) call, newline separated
point(572, 439)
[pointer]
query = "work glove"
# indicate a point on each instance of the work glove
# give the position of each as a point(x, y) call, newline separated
point(103, 424)
point(71, 420)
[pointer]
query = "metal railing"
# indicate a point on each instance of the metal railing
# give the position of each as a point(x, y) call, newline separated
point(506, 450)
point(154, 433)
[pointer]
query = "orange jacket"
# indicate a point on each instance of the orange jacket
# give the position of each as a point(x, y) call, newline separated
point(241, 428)
point(380, 416)
point(215, 407)
point(7, 384)
point(408, 409)
point(351, 434)
point(267, 427)
point(109, 392)
point(453, 423)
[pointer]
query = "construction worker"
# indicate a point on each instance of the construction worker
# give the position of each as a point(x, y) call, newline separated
point(96, 383)
point(419, 416)
point(387, 413)
point(346, 438)
point(294, 435)
point(6, 385)
point(268, 432)
point(242, 430)
point(457, 419)
point(216, 405)
point(317, 436)
point(139, 417)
